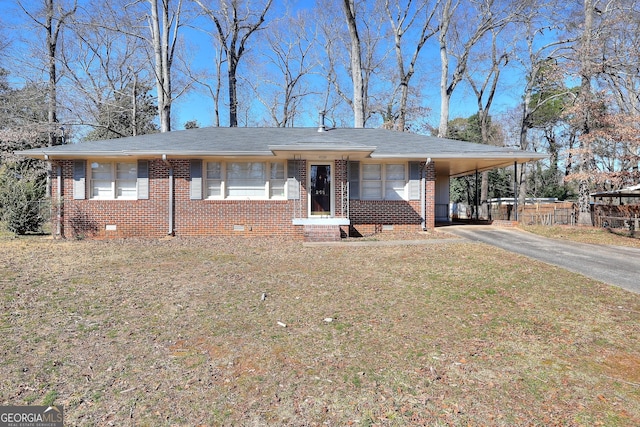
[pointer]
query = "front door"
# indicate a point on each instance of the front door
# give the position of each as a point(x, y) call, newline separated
point(321, 191)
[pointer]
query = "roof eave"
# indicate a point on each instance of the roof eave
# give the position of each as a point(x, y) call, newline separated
point(524, 156)
point(313, 150)
point(49, 155)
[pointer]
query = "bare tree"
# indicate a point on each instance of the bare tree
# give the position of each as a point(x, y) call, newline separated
point(109, 76)
point(364, 47)
point(542, 61)
point(164, 25)
point(54, 19)
point(209, 80)
point(585, 99)
point(349, 9)
point(289, 56)
point(233, 31)
point(619, 50)
point(158, 23)
point(485, 91)
point(401, 19)
point(460, 30)
point(605, 114)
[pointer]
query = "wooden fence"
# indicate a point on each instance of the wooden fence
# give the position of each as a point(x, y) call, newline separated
point(537, 213)
point(617, 216)
point(548, 212)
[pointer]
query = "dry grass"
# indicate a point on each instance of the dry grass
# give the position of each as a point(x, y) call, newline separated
point(177, 332)
point(593, 235)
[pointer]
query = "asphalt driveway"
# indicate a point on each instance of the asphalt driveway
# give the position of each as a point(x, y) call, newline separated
point(615, 265)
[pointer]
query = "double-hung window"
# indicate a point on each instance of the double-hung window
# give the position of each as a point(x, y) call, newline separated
point(383, 181)
point(394, 182)
point(372, 181)
point(214, 180)
point(126, 180)
point(242, 180)
point(246, 179)
point(113, 180)
point(276, 180)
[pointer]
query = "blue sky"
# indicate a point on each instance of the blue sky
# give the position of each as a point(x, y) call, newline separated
point(199, 106)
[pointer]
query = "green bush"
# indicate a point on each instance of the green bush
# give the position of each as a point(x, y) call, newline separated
point(22, 196)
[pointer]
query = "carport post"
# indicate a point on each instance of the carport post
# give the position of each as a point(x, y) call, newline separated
point(477, 199)
point(515, 190)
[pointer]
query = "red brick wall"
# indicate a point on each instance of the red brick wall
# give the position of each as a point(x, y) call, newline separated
point(150, 218)
point(340, 180)
point(322, 233)
point(89, 218)
point(228, 217)
point(369, 216)
point(430, 195)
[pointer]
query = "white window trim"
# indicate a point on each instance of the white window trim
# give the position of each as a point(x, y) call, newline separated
point(283, 180)
point(224, 184)
point(383, 181)
point(114, 180)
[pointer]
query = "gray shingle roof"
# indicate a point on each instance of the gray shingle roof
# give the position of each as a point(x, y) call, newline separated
point(219, 141)
point(213, 141)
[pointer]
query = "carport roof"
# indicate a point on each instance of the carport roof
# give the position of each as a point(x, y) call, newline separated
point(460, 157)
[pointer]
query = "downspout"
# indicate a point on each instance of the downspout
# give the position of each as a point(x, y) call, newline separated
point(168, 164)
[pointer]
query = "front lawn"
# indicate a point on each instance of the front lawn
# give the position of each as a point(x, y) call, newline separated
point(266, 332)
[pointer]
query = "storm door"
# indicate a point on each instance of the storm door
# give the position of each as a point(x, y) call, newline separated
point(321, 191)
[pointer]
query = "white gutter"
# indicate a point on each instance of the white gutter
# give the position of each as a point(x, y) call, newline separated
point(170, 166)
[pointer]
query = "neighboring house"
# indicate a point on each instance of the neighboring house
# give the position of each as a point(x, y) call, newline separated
point(313, 183)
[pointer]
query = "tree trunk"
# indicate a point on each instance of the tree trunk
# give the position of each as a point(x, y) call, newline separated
point(233, 91)
point(218, 89)
point(444, 70)
point(160, 29)
point(356, 64)
point(157, 52)
point(53, 32)
point(524, 132)
point(233, 31)
point(165, 118)
point(484, 195)
point(584, 199)
point(51, 45)
point(134, 106)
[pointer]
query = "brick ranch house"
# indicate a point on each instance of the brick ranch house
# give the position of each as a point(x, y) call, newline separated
point(302, 183)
